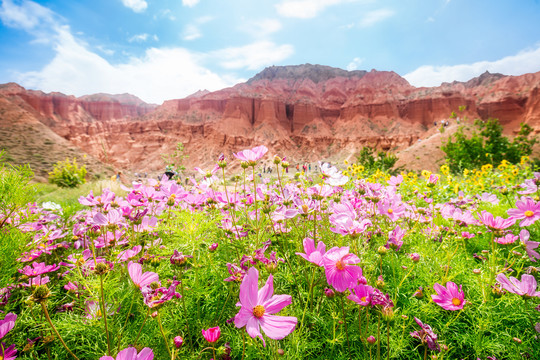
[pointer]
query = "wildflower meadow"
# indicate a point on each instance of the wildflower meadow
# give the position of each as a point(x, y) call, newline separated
point(342, 264)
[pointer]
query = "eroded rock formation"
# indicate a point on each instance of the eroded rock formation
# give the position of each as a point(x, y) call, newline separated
point(307, 112)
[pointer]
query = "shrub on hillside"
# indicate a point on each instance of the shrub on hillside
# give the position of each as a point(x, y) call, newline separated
point(15, 189)
point(488, 145)
point(382, 161)
point(67, 173)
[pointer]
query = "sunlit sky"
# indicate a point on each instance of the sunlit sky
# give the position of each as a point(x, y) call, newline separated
point(166, 49)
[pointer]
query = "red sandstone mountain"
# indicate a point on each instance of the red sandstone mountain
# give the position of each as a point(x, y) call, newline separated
point(307, 112)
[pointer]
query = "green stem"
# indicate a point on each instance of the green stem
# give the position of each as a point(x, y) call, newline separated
point(44, 307)
point(407, 275)
point(345, 323)
point(163, 334)
point(140, 330)
point(388, 340)
point(379, 337)
point(243, 344)
point(184, 305)
point(104, 315)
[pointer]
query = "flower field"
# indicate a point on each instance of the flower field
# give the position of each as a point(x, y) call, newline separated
point(333, 265)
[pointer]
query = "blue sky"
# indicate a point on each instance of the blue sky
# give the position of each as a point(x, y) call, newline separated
point(166, 49)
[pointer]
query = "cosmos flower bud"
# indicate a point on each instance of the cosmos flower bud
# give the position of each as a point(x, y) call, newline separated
point(329, 293)
point(419, 294)
point(171, 200)
point(244, 165)
point(380, 282)
point(101, 269)
point(281, 352)
point(477, 271)
point(285, 164)
point(387, 314)
point(415, 257)
point(382, 250)
point(517, 340)
point(277, 160)
point(213, 247)
point(178, 341)
point(154, 314)
point(371, 340)
point(41, 294)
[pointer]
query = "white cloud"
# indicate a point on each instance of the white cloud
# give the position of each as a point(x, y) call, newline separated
point(162, 73)
point(263, 27)
point(305, 9)
point(375, 16)
point(353, 65)
point(138, 38)
point(31, 17)
point(526, 61)
point(135, 5)
point(253, 56)
point(190, 3)
point(159, 74)
point(191, 32)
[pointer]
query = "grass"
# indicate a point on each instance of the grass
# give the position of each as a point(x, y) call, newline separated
point(486, 326)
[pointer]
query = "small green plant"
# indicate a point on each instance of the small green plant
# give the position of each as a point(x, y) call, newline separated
point(174, 161)
point(382, 160)
point(67, 173)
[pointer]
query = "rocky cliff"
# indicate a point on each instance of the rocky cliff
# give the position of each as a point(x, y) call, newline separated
point(307, 112)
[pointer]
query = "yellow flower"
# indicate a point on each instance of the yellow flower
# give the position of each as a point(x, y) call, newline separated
point(524, 159)
point(426, 173)
point(445, 169)
point(346, 162)
point(456, 188)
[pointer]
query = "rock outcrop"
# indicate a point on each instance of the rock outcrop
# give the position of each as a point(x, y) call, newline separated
point(307, 112)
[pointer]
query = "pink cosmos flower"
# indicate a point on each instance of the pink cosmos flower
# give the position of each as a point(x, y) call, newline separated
point(426, 336)
point(212, 335)
point(38, 269)
point(259, 306)
point(10, 353)
point(251, 155)
point(313, 255)
point(529, 245)
point(130, 353)
point(395, 180)
point(7, 324)
point(340, 269)
point(393, 208)
point(129, 253)
point(361, 294)
point(395, 238)
point(497, 223)
point(506, 240)
point(526, 287)
point(153, 298)
point(527, 210)
point(433, 179)
point(139, 279)
point(449, 298)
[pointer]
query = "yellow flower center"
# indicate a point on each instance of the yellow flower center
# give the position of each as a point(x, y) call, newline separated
point(340, 265)
point(305, 208)
point(529, 213)
point(363, 298)
point(258, 311)
point(456, 301)
point(390, 211)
